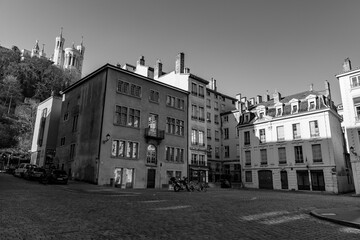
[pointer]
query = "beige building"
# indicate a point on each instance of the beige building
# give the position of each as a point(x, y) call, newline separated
point(119, 127)
point(46, 131)
point(293, 142)
point(349, 81)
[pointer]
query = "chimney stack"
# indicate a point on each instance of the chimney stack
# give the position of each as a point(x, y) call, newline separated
point(267, 96)
point(213, 84)
point(258, 99)
point(141, 61)
point(277, 97)
point(347, 65)
point(238, 99)
point(311, 87)
point(187, 70)
point(158, 69)
point(180, 63)
point(252, 101)
point(327, 89)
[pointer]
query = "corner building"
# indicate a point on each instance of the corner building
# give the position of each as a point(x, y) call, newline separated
point(293, 143)
point(120, 128)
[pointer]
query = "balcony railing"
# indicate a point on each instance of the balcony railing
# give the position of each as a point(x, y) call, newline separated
point(154, 134)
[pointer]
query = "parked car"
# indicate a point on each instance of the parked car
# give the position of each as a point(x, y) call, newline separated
point(19, 172)
point(54, 176)
point(27, 172)
point(36, 173)
point(225, 183)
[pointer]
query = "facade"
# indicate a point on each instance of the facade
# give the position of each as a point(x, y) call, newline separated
point(204, 116)
point(46, 131)
point(349, 81)
point(119, 127)
point(294, 142)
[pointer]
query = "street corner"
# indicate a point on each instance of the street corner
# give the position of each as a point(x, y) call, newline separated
point(344, 216)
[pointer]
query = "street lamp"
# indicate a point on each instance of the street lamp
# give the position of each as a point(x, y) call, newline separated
point(107, 138)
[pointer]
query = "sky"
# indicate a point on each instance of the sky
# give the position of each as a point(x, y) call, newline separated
point(248, 46)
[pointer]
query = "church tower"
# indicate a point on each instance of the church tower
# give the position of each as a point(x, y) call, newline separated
point(58, 57)
point(36, 50)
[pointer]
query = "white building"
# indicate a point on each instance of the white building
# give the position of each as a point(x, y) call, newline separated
point(349, 81)
point(294, 142)
point(46, 131)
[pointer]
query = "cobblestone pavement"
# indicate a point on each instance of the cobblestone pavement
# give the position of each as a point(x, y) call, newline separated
point(29, 210)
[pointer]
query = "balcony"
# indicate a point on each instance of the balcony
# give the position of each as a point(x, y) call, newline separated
point(155, 134)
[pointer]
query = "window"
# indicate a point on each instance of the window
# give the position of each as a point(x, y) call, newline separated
point(357, 112)
point(263, 155)
point(296, 131)
point(280, 133)
point(194, 137)
point(154, 96)
point(201, 91)
point(217, 135)
point(180, 103)
point(294, 108)
point(209, 151)
point(226, 118)
point(314, 129)
point(121, 115)
point(208, 93)
point(248, 176)
point(179, 127)
point(261, 115)
point(170, 125)
point(201, 138)
point(151, 154)
point(122, 148)
point(226, 151)
point(134, 118)
point(66, 116)
point(282, 155)
point(170, 154)
point(262, 135)
point(226, 133)
point(75, 122)
point(247, 158)
point(355, 81)
point(179, 155)
point(194, 159)
point(216, 107)
point(222, 107)
point(312, 105)
point(208, 133)
point(208, 117)
point(62, 141)
point(237, 150)
point(316, 151)
point(247, 138)
point(298, 154)
point(72, 152)
point(194, 89)
point(170, 101)
point(201, 114)
point(129, 89)
point(217, 152)
point(278, 111)
point(208, 103)
point(216, 119)
point(201, 160)
point(193, 111)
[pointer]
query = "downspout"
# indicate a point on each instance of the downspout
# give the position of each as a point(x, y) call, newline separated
point(101, 127)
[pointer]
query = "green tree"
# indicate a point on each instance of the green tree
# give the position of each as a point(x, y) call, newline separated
point(9, 91)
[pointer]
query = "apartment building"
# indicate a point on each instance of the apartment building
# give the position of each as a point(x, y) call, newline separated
point(349, 82)
point(294, 142)
point(121, 128)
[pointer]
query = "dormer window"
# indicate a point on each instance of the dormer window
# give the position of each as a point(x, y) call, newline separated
point(294, 108)
point(261, 115)
point(311, 105)
point(311, 102)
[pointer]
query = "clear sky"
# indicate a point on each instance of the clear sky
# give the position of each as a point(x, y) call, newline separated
point(249, 46)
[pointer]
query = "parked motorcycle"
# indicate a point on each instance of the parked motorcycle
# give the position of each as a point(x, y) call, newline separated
point(179, 184)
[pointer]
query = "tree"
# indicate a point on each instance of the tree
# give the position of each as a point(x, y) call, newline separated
point(9, 90)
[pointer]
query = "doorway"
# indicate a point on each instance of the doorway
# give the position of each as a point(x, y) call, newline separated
point(317, 180)
point(284, 180)
point(265, 179)
point(151, 178)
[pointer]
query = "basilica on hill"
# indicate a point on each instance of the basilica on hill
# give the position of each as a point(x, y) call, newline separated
point(70, 58)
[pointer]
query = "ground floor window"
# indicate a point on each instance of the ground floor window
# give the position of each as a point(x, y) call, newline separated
point(124, 177)
point(248, 176)
point(303, 180)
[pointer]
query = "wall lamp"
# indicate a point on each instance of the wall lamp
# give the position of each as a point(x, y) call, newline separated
point(352, 150)
point(107, 138)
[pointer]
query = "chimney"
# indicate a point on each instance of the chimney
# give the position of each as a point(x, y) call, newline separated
point(258, 99)
point(277, 97)
point(252, 101)
point(213, 84)
point(238, 98)
point(347, 65)
point(267, 96)
point(158, 69)
point(141, 61)
point(187, 70)
point(311, 87)
point(243, 99)
point(327, 89)
point(180, 63)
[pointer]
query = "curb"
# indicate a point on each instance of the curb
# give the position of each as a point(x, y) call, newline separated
point(334, 220)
